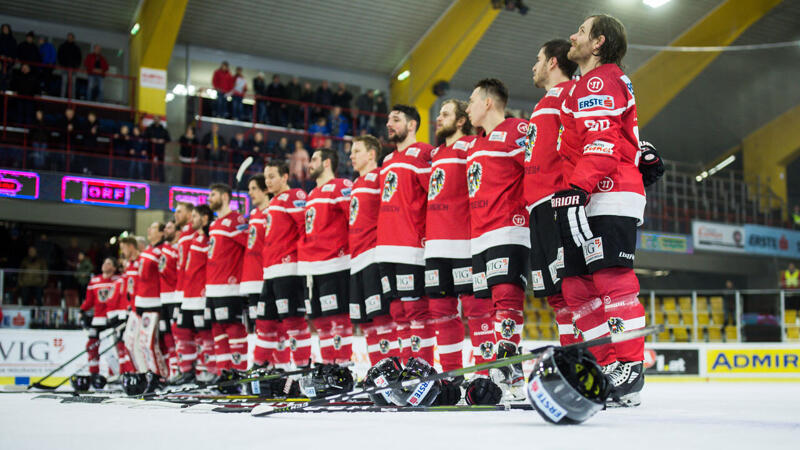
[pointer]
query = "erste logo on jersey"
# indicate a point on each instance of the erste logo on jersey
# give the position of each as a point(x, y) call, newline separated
point(595, 84)
point(596, 101)
point(474, 175)
point(353, 210)
point(211, 243)
point(251, 236)
point(530, 141)
point(311, 214)
point(162, 262)
point(436, 183)
point(389, 186)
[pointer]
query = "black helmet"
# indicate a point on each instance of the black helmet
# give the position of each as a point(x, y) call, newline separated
point(98, 381)
point(385, 372)
point(133, 383)
point(567, 386)
point(421, 394)
point(229, 377)
point(80, 383)
point(327, 380)
point(154, 381)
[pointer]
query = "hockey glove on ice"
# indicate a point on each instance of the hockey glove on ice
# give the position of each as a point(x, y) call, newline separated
point(483, 391)
point(650, 164)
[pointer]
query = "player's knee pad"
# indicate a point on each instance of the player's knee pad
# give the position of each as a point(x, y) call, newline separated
point(556, 302)
point(443, 307)
point(578, 290)
point(615, 282)
point(508, 296)
point(417, 310)
point(474, 307)
point(398, 312)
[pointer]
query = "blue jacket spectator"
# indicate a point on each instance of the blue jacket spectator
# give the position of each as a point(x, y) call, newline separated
point(340, 126)
point(47, 51)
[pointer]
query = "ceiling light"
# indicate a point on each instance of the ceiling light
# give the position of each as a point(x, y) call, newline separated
point(135, 29)
point(179, 89)
point(403, 75)
point(170, 97)
point(655, 3)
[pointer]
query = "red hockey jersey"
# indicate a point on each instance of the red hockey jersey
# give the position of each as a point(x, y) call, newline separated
point(118, 304)
point(148, 291)
point(543, 167)
point(226, 244)
point(401, 219)
point(283, 230)
point(602, 139)
point(324, 249)
point(194, 280)
point(168, 273)
point(130, 273)
point(447, 222)
point(494, 184)
point(100, 294)
point(364, 204)
point(252, 270)
point(184, 242)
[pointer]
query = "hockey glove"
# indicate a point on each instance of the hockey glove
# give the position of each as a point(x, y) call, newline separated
point(483, 391)
point(569, 206)
point(450, 393)
point(85, 319)
point(650, 164)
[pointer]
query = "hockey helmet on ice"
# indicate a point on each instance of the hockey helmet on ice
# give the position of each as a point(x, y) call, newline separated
point(567, 386)
point(133, 383)
point(385, 372)
point(327, 380)
point(421, 394)
point(98, 381)
point(80, 383)
point(227, 382)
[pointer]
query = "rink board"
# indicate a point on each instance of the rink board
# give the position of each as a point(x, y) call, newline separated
point(26, 355)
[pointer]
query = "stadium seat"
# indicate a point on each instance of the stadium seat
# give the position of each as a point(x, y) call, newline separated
point(664, 336)
point(673, 319)
point(71, 298)
point(545, 316)
point(545, 332)
point(681, 334)
point(714, 333)
point(790, 318)
point(730, 333)
point(702, 304)
point(793, 333)
point(52, 297)
point(669, 304)
point(703, 317)
point(659, 317)
point(685, 303)
point(717, 317)
point(536, 303)
point(530, 315)
point(531, 331)
point(716, 304)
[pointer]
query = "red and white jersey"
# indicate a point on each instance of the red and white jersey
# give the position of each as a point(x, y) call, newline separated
point(168, 273)
point(446, 229)
point(252, 271)
point(601, 138)
point(324, 249)
point(494, 185)
point(404, 191)
point(227, 240)
point(283, 230)
point(130, 273)
point(118, 304)
point(148, 290)
point(100, 294)
point(194, 280)
point(364, 204)
point(543, 167)
point(184, 242)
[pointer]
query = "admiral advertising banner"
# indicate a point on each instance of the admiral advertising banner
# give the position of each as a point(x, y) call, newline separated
point(753, 361)
point(772, 241)
point(718, 237)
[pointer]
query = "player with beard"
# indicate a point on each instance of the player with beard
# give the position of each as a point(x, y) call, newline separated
point(183, 222)
point(324, 256)
point(98, 294)
point(282, 332)
point(148, 287)
point(170, 302)
point(603, 202)
point(252, 272)
point(500, 240)
point(543, 176)
point(365, 288)
point(226, 246)
point(400, 249)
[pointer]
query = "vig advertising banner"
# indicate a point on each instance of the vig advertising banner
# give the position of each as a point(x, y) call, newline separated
point(718, 237)
point(664, 242)
point(772, 241)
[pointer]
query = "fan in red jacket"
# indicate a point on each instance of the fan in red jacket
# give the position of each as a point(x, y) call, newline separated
point(400, 247)
point(500, 239)
point(99, 293)
point(323, 254)
point(282, 332)
point(599, 235)
point(226, 245)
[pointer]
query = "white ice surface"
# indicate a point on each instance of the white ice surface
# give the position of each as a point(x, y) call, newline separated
point(674, 416)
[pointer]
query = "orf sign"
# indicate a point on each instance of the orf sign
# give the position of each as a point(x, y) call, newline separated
point(153, 78)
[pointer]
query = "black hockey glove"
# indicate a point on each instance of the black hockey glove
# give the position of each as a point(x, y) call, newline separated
point(85, 319)
point(568, 198)
point(569, 206)
point(450, 393)
point(483, 391)
point(650, 164)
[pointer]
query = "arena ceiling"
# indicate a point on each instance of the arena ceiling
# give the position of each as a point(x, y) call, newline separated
point(735, 95)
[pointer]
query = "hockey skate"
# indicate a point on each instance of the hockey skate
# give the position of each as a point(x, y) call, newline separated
point(608, 368)
point(627, 381)
point(512, 374)
point(183, 378)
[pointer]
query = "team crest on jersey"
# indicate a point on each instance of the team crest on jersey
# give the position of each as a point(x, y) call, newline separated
point(353, 210)
point(530, 141)
point(162, 262)
point(616, 325)
point(251, 236)
point(436, 183)
point(384, 346)
point(507, 327)
point(311, 214)
point(337, 342)
point(416, 343)
point(236, 357)
point(487, 349)
point(130, 286)
point(104, 294)
point(211, 243)
point(389, 186)
point(268, 224)
point(474, 175)
point(576, 332)
point(293, 344)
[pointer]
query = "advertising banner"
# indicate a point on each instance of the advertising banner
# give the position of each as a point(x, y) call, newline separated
point(718, 237)
point(672, 361)
point(664, 242)
point(753, 361)
point(772, 241)
point(16, 317)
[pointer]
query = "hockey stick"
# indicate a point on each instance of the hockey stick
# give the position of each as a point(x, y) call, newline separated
point(38, 384)
point(533, 354)
point(389, 408)
point(239, 174)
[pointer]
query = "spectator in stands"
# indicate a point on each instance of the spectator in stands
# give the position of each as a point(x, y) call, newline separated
point(96, 66)
point(69, 128)
point(96, 162)
point(27, 51)
point(365, 103)
point(215, 155)
point(33, 279)
point(69, 56)
point(307, 96)
point(188, 154)
point(48, 54)
point(238, 148)
point(796, 217)
point(294, 118)
point(26, 83)
point(345, 165)
point(340, 125)
point(729, 304)
point(298, 166)
point(381, 111)
point(123, 151)
point(324, 97)
point(222, 81)
point(39, 135)
point(237, 95)
point(257, 147)
point(140, 151)
point(282, 150)
point(260, 89)
point(277, 94)
point(158, 136)
point(319, 131)
point(342, 98)
point(8, 52)
point(84, 273)
point(91, 120)
point(790, 278)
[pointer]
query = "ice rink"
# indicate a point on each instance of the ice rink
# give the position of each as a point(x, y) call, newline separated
point(716, 415)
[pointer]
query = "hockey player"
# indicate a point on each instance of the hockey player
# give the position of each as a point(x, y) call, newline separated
point(183, 222)
point(252, 271)
point(500, 240)
point(603, 202)
point(118, 314)
point(98, 293)
point(148, 291)
point(170, 302)
point(125, 298)
point(193, 333)
point(324, 257)
point(543, 176)
point(400, 249)
point(226, 245)
point(280, 313)
point(365, 288)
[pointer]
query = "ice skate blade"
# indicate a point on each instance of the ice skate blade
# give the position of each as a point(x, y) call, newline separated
point(631, 400)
